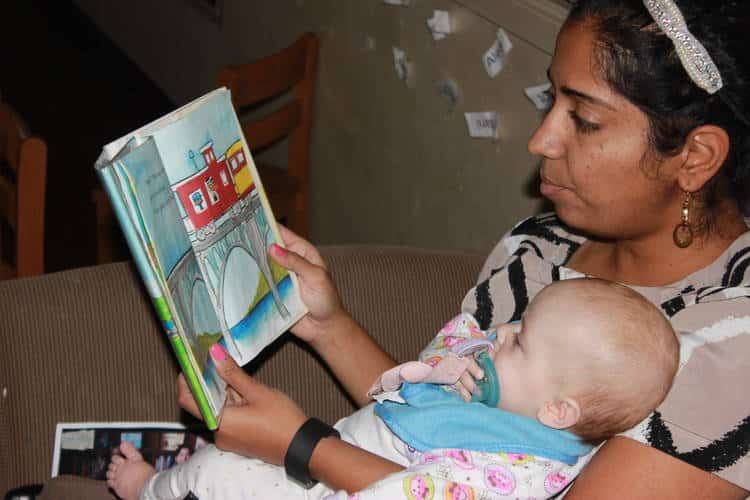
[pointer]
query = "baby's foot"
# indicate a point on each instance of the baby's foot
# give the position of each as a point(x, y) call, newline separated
point(128, 473)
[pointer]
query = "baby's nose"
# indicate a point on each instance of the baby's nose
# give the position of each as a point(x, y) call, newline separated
point(503, 331)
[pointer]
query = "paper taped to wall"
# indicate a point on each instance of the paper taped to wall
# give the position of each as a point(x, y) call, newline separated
point(449, 89)
point(539, 95)
point(494, 58)
point(440, 24)
point(405, 3)
point(400, 64)
point(482, 124)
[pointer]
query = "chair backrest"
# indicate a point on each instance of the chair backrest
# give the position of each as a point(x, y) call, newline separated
point(23, 170)
point(291, 73)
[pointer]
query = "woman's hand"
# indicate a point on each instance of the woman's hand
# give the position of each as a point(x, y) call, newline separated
point(260, 422)
point(355, 359)
point(317, 289)
point(257, 421)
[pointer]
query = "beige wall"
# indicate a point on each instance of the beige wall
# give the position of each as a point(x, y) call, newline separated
point(391, 163)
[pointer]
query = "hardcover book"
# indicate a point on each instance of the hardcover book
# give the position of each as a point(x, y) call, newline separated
point(198, 224)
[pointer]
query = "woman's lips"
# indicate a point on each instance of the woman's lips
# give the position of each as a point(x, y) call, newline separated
point(547, 188)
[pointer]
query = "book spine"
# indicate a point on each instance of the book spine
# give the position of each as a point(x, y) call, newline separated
point(156, 294)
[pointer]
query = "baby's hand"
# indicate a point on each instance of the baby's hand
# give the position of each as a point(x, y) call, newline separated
point(448, 371)
point(466, 384)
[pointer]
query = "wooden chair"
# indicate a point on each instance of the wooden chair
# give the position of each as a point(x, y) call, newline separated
point(23, 171)
point(289, 77)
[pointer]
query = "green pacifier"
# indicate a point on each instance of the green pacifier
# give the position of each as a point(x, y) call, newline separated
point(488, 387)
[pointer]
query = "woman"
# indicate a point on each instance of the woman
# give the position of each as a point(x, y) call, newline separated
point(645, 158)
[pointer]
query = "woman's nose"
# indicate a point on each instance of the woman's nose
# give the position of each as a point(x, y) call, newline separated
point(547, 139)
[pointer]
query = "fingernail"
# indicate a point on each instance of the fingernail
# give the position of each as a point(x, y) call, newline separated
point(277, 250)
point(218, 352)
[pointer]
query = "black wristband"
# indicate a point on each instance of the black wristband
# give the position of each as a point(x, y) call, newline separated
point(301, 449)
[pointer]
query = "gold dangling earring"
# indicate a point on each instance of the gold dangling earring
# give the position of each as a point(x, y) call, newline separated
point(683, 233)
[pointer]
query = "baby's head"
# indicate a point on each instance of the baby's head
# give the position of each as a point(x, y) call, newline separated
point(590, 356)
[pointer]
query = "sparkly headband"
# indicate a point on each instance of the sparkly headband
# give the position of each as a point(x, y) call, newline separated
point(693, 55)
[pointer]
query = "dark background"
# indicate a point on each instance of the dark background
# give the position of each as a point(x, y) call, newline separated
point(77, 91)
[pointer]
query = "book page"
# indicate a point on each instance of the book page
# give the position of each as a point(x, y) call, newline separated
point(157, 220)
point(230, 227)
point(114, 148)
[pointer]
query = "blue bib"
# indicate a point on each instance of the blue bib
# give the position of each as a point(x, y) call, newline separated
point(435, 417)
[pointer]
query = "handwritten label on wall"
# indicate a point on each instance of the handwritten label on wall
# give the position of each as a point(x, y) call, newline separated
point(482, 124)
point(494, 58)
point(449, 89)
point(440, 24)
point(539, 95)
point(400, 64)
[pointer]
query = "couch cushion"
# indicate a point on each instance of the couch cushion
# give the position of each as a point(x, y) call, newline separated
point(81, 345)
point(75, 488)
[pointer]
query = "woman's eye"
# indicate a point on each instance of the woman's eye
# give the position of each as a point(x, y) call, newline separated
point(583, 126)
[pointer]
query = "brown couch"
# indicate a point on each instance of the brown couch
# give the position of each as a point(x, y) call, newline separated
point(84, 345)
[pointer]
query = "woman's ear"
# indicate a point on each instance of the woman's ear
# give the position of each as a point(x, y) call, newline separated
point(559, 413)
point(705, 151)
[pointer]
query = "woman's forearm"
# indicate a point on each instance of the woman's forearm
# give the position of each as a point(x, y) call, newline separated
point(342, 466)
point(625, 469)
point(354, 357)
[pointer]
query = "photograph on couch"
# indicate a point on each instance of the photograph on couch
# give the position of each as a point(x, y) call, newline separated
point(85, 449)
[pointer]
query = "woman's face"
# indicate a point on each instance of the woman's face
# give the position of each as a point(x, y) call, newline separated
point(597, 167)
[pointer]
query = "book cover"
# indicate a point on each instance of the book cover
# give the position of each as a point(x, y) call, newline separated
point(192, 207)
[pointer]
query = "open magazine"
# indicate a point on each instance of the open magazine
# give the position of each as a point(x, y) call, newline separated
point(85, 449)
point(197, 221)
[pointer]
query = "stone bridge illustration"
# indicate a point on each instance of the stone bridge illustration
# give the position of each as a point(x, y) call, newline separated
point(242, 228)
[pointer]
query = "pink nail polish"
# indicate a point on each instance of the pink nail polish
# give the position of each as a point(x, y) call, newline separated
point(277, 250)
point(218, 352)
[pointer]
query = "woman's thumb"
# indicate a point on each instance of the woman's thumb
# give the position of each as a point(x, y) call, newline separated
point(291, 260)
point(232, 374)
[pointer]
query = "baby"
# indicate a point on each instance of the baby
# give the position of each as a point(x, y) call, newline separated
point(589, 360)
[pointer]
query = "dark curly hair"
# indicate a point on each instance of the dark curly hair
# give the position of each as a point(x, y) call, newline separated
point(639, 62)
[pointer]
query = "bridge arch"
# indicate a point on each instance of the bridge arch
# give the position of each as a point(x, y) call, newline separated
point(244, 292)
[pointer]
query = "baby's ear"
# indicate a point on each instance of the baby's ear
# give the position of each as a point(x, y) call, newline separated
point(559, 413)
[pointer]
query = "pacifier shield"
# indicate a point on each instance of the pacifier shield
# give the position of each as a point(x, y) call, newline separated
point(489, 385)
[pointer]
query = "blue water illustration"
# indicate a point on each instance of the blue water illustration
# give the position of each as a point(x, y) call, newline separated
point(262, 314)
point(253, 333)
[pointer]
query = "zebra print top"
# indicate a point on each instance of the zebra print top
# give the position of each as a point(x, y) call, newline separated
point(705, 419)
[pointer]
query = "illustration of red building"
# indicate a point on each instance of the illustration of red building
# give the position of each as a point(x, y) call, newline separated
point(208, 193)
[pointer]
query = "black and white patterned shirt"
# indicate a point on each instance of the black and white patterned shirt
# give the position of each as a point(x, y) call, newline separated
point(705, 419)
